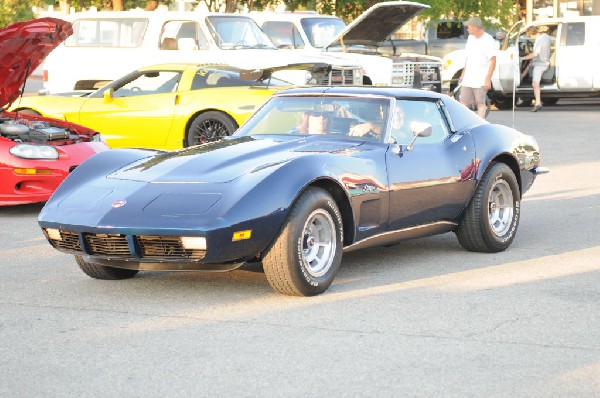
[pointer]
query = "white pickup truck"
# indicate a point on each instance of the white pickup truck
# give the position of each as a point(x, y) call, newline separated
point(309, 32)
point(574, 70)
point(107, 45)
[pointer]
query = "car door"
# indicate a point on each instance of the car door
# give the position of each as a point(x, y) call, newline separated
point(575, 64)
point(507, 74)
point(434, 181)
point(135, 112)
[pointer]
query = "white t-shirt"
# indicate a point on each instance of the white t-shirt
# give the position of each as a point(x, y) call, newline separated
point(478, 53)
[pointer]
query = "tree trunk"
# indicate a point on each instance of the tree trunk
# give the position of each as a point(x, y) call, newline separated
point(152, 5)
point(117, 5)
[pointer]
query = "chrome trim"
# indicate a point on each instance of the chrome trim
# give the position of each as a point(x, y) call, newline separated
point(162, 266)
point(387, 238)
point(540, 170)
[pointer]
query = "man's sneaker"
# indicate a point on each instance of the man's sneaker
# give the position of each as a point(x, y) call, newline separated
point(536, 108)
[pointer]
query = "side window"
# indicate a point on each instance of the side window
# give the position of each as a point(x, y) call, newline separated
point(155, 82)
point(422, 112)
point(573, 34)
point(283, 34)
point(182, 35)
point(107, 33)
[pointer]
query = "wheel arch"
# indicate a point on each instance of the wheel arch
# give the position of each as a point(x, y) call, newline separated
point(341, 200)
point(511, 162)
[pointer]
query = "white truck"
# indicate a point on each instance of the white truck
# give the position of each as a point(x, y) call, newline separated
point(108, 45)
point(574, 70)
point(309, 32)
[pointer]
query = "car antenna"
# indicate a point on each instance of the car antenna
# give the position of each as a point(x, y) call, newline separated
point(514, 96)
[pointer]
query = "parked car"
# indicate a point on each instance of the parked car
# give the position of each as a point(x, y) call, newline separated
point(167, 106)
point(574, 60)
point(296, 186)
point(106, 45)
point(309, 32)
point(36, 153)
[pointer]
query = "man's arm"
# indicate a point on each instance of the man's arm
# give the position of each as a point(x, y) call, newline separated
point(488, 77)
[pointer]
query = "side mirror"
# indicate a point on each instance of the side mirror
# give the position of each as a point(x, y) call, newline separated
point(419, 129)
point(108, 95)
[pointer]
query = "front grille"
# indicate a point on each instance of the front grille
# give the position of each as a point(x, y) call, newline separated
point(167, 247)
point(338, 77)
point(117, 245)
point(416, 74)
point(69, 241)
point(113, 245)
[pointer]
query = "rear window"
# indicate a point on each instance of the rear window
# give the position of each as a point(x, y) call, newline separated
point(107, 33)
point(451, 30)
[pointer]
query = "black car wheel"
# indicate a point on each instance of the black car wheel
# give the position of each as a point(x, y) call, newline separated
point(97, 271)
point(490, 222)
point(501, 102)
point(305, 257)
point(209, 126)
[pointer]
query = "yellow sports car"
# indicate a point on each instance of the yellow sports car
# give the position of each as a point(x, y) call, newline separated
point(167, 106)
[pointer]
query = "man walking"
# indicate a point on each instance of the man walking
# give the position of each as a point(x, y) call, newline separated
point(476, 77)
point(540, 61)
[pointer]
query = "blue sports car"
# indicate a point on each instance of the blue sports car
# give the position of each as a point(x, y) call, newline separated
point(315, 172)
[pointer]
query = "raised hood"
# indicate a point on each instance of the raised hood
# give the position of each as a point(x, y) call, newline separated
point(23, 47)
point(378, 23)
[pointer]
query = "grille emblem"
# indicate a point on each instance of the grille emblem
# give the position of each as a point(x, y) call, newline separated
point(118, 203)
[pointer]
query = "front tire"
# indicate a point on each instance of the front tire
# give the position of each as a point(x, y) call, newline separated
point(209, 126)
point(305, 257)
point(490, 221)
point(97, 271)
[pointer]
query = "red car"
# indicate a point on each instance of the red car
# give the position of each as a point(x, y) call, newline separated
point(36, 153)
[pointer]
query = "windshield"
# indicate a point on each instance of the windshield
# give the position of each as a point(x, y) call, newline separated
point(237, 32)
point(322, 31)
point(331, 116)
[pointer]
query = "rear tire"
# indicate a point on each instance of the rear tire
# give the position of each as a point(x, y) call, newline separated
point(490, 222)
point(97, 271)
point(209, 126)
point(305, 257)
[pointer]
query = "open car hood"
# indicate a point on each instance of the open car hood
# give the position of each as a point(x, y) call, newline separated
point(23, 47)
point(265, 73)
point(378, 23)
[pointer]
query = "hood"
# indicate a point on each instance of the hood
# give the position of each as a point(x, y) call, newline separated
point(225, 160)
point(23, 47)
point(378, 23)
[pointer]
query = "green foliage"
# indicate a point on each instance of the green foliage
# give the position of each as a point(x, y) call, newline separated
point(497, 12)
point(15, 11)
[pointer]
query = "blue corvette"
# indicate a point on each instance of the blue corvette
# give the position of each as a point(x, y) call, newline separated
point(315, 172)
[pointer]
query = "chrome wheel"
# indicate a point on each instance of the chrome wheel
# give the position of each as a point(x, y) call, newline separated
point(500, 207)
point(319, 243)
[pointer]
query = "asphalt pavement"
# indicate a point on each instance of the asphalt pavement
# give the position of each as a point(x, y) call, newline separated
point(419, 319)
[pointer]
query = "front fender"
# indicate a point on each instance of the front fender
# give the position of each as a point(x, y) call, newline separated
point(270, 192)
